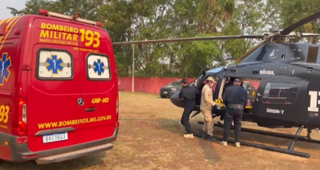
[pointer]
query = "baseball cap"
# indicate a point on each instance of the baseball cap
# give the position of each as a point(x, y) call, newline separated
point(185, 81)
point(236, 80)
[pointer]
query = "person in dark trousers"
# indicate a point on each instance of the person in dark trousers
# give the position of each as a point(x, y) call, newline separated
point(235, 99)
point(188, 93)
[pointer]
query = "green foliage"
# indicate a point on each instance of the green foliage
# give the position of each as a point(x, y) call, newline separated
point(128, 20)
point(294, 10)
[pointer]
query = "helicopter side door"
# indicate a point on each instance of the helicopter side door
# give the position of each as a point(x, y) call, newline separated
point(278, 100)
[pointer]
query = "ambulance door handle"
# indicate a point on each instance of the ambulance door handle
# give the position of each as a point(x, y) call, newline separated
point(91, 109)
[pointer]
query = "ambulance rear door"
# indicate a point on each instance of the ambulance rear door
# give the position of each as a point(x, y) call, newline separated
point(53, 108)
point(98, 84)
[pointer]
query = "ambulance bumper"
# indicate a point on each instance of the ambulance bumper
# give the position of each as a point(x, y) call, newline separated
point(20, 152)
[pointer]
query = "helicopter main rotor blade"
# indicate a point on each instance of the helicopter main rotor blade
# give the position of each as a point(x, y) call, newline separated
point(310, 35)
point(253, 49)
point(189, 39)
point(300, 23)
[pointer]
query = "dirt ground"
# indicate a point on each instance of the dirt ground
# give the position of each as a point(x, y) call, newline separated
point(151, 138)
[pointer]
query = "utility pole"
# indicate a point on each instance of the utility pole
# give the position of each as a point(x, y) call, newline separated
point(133, 66)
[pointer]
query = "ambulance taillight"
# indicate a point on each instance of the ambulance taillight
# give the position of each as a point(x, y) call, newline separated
point(23, 110)
point(21, 128)
point(117, 110)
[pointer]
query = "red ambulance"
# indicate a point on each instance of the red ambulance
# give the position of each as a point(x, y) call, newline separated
point(58, 88)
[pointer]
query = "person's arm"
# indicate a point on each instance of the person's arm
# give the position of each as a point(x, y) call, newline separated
point(197, 90)
point(224, 97)
point(207, 97)
point(195, 83)
point(246, 98)
point(181, 94)
point(195, 86)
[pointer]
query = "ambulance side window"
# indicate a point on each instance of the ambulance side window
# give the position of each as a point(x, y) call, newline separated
point(98, 67)
point(54, 65)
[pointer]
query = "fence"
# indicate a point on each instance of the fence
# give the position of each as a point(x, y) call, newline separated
point(152, 85)
point(146, 85)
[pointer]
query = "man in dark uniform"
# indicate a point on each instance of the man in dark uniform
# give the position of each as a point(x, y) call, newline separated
point(235, 99)
point(188, 93)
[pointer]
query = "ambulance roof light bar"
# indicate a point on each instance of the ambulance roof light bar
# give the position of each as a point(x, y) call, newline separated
point(76, 17)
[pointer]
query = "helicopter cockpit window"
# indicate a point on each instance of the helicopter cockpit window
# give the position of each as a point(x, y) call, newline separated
point(275, 52)
point(298, 52)
point(279, 52)
point(280, 93)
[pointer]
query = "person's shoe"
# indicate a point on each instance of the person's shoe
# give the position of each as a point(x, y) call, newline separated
point(188, 136)
point(237, 144)
point(209, 137)
point(224, 143)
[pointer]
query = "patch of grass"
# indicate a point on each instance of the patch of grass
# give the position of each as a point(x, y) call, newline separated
point(150, 138)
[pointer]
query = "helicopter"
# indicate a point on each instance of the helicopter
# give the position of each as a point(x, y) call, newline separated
point(281, 80)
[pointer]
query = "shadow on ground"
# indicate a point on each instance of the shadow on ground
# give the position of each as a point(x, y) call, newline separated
point(206, 146)
point(75, 164)
point(174, 127)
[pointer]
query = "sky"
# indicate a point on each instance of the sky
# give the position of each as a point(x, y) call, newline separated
point(4, 12)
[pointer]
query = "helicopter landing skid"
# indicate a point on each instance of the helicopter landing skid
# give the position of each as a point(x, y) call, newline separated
point(275, 134)
point(289, 150)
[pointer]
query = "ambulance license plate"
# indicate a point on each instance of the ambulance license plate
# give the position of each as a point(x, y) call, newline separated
point(55, 137)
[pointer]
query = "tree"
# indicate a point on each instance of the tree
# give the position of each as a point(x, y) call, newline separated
point(294, 10)
point(127, 20)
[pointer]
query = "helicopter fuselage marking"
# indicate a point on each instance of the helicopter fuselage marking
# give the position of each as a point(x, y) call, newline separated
point(313, 107)
point(267, 72)
point(274, 111)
